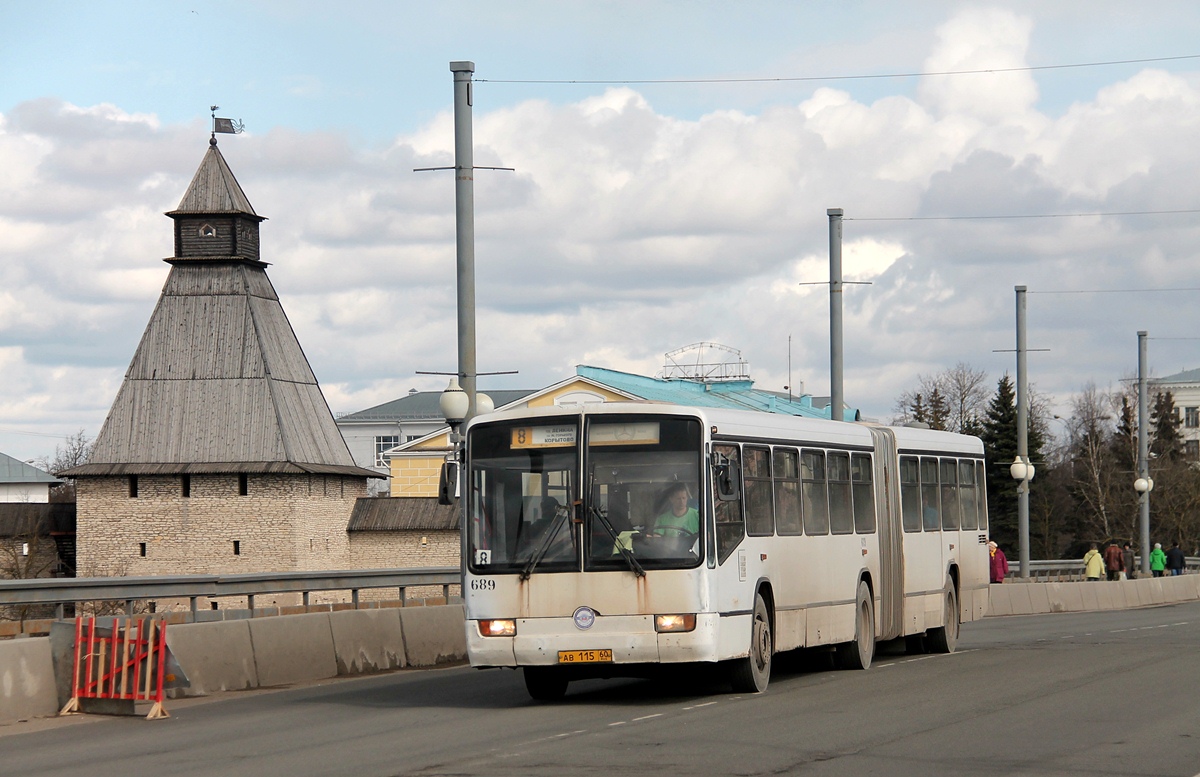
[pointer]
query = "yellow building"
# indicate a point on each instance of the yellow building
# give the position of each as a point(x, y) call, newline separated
point(415, 464)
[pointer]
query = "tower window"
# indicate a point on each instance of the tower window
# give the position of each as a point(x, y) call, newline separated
point(142, 549)
point(133, 487)
point(208, 230)
point(243, 485)
point(185, 484)
point(237, 547)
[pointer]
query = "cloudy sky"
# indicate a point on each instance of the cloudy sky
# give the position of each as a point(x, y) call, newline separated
point(678, 196)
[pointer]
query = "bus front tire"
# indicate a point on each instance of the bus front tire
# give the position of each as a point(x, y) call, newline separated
point(545, 683)
point(945, 639)
point(752, 673)
point(858, 653)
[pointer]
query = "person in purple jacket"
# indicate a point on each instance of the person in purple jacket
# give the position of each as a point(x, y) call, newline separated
point(999, 563)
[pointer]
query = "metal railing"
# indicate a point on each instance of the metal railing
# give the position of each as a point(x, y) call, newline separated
point(62, 591)
point(1067, 569)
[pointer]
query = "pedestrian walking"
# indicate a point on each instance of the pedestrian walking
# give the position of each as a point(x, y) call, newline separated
point(1114, 561)
point(999, 563)
point(1175, 560)
point(1158, 560)
point(1093, 563)
point(1130, 562)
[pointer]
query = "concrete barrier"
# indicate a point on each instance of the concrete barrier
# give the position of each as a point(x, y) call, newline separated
point(214, 656)
point(434, 635)
point(1029, 597)
point(367, 640)
point(26, 679)
point(292, 649)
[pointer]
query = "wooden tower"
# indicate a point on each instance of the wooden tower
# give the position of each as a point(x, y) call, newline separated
point(220, 453)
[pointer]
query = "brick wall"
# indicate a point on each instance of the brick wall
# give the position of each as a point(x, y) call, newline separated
point(417, 549)
point(283, 523)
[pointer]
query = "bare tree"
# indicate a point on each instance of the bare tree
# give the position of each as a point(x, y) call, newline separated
point(961, 393)
point(1093, 468)
point(74, 451)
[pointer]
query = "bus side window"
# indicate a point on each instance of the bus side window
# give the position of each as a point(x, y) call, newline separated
point(728, 511)
point(841, 512)
point(760, 518)
point(910, 493)
point(813, 494)
point(951, 515)
point(981, 496)
point(966, 495)
point(864, 493)
point(930, 514)
point(786, 469)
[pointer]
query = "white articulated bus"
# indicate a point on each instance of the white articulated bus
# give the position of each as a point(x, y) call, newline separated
point(602, 540)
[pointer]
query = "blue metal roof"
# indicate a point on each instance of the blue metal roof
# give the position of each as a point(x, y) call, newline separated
point(729, 394)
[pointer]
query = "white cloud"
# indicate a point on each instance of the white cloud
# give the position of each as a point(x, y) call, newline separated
point(626, 232)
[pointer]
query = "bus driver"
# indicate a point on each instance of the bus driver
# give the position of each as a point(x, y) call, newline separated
point(679, 520)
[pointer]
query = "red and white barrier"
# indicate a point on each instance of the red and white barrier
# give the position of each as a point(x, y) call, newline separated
point(126, 663)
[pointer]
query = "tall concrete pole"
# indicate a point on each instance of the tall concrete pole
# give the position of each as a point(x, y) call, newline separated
point(836, 400)
point(1022, 435)
point(1143, 462)
point(464, 211)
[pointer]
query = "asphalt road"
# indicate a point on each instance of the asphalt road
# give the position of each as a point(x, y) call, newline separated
point(1080, 694)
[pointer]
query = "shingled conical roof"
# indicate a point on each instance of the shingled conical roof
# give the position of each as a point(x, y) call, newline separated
point(214, 189)
point(219, 382)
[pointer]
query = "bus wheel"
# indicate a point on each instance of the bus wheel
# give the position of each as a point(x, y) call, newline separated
point(752, 673)
point(858, 654)
point(945, 639)
point(545, 683)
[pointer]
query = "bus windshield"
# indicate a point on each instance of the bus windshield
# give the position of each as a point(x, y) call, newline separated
point(643, 491)
point(639, 506)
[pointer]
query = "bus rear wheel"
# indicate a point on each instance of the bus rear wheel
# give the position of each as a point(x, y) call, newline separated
point(858, 654)
point(545, 683)
point(945, 639)
point(752, 673)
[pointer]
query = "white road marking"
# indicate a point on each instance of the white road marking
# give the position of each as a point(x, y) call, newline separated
point(648, 717)
point(698, 706)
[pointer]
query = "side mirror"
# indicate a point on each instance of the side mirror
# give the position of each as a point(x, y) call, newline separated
point(448, 483)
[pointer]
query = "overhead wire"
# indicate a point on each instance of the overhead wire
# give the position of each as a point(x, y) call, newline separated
point(858, 77)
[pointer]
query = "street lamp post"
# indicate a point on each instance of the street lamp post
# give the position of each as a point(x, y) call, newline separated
point(836, 397)
point(464, 202)
point(1021, 469)
point(1143, 485)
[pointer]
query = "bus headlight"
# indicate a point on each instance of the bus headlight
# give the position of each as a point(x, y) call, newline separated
point(498, 628)
point(674, 623)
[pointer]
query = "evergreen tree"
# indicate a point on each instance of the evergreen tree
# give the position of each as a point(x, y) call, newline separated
point(916, 410)
point(1124, 441)
point(999, 437)
point(939, 411)
point(1165, 440)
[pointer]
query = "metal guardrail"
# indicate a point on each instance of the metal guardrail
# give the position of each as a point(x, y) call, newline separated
point(1071, 568)
point(61, 591)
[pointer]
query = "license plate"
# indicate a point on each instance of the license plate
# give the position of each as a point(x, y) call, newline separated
point(585, 656)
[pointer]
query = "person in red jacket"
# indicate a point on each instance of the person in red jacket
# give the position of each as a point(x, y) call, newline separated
point(999, 563)
point(1114, 561)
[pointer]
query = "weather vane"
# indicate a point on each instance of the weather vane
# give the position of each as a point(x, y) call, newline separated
point(228, 126)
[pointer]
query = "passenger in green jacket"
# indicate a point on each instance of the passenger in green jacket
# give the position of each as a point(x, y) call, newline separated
point(1158, 560)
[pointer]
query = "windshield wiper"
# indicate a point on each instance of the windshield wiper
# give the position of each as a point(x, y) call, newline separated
point(625, 553)
point(560, 513)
